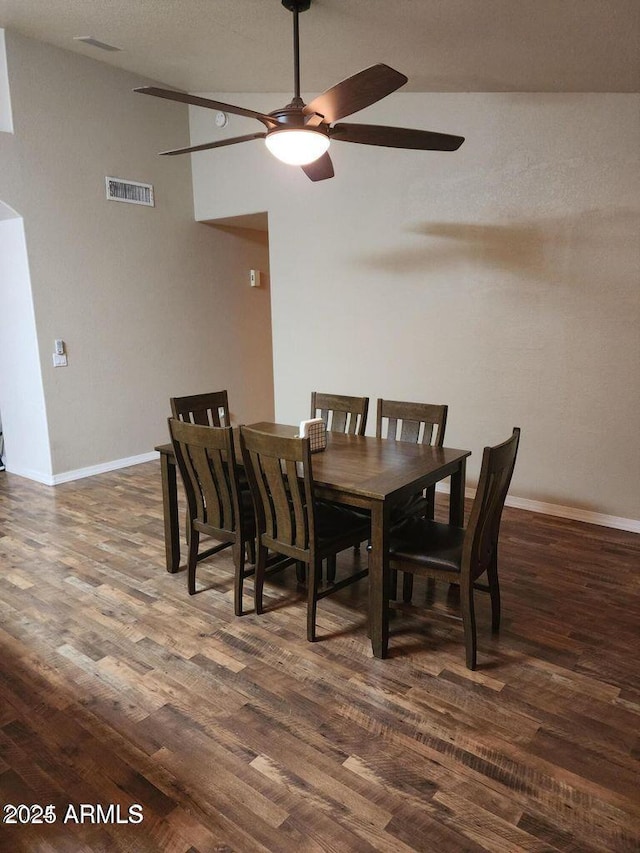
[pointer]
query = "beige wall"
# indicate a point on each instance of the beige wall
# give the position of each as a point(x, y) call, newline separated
point(146, 299)
point(502, 279)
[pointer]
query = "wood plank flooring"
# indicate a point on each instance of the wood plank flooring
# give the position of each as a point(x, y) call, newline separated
point(235, 734)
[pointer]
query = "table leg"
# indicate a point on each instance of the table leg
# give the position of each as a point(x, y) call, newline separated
point(379, 579)
point(456, 496)
point(170, 510)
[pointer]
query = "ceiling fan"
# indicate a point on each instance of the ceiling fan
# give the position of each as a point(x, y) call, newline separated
point(300, 133)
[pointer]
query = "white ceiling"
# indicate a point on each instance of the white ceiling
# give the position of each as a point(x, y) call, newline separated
point(441, 45)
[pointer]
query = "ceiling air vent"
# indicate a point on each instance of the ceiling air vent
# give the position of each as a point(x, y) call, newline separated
point(132, 192)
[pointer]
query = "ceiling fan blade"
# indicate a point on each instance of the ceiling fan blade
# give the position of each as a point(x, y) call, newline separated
point(196, 101)
point(320, 169)
point(355, 93)
point(219, 144)
point(396, 137)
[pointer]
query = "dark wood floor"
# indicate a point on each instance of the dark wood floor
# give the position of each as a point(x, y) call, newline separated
point(237, 734)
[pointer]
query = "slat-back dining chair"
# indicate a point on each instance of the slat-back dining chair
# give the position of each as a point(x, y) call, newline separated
point(210, 409)
point(420, 423)
point(289, 519)
point(458, 555)
point(341, 413)
point(216, 507)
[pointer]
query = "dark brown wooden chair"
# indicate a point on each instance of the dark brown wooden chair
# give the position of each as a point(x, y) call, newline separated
point(340, 413)
point(420, 423)
point(211, 409)
point(458, 555)
point(216, 506)
point(289, 519)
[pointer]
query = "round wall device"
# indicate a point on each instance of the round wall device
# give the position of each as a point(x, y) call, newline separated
point(222, 119)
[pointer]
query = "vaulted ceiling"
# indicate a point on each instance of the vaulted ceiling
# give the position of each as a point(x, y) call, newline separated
point(441, 45)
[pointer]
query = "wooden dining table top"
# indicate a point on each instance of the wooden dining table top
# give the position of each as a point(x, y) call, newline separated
point(372, 468)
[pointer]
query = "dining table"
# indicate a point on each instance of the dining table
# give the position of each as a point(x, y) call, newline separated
point(375, 474)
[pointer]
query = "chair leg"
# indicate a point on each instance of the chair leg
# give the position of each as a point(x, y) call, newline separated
point(407, 587)
point(301, 572)
point(238, 582)
point(192, 560)
point(312, 599)
point(430, 495)
point(331, 568)
point(251, 551)
point(430, 592)
point(469, 624)
point(393, 584)
point(494, 592)
point(258, 585)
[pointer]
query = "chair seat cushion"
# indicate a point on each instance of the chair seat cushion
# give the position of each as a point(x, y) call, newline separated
point(334, 521)
point(428, 544)
point(415, 505)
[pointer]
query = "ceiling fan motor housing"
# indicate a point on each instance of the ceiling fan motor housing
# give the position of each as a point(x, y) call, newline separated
point(291, 115)
point(296, 5)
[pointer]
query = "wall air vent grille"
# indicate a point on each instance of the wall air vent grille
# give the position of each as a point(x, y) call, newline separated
point(133, 192)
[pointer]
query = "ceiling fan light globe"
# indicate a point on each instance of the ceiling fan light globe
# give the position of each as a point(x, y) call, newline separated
point(297, 146)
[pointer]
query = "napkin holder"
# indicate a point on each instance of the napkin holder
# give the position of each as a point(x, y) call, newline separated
point(316, 431)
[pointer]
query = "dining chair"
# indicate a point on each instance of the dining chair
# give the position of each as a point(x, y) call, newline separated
point(210, 409)
point(216, 506)
point(341, 413)
point(289, 519)
point(462, 555)
point(420, 423)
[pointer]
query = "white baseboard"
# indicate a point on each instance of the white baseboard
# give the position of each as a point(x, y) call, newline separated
point(81, 473)
point(28, 474)
point(589, 517)
point(630, 524)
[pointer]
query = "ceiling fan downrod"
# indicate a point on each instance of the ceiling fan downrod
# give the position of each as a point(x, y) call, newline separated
point(296, 6)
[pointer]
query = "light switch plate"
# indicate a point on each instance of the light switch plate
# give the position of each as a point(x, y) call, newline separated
point(59, 360)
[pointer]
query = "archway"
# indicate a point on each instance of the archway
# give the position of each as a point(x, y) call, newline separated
point(22, 407)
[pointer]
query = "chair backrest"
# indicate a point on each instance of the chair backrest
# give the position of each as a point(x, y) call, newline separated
point(341, 413)
point(481, 538)
point(421, 423)
point(279, 473)
point(206, 460)
point(210, 409)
